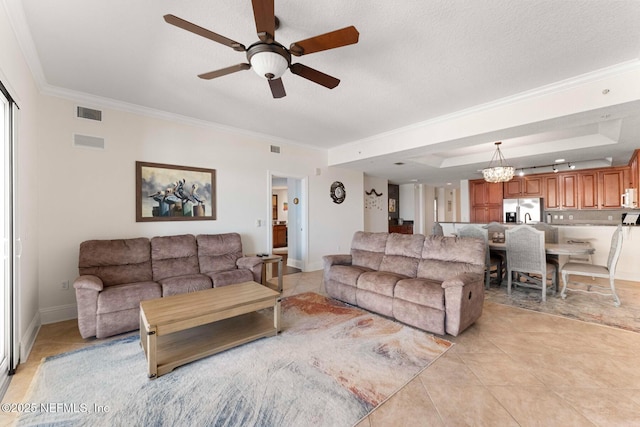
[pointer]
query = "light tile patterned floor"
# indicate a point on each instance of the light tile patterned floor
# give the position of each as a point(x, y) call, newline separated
point(514, 367)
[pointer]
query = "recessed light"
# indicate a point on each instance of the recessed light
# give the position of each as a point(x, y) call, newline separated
point(448, 183)
point(558, 161)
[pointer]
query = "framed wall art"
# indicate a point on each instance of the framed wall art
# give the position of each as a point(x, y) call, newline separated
point(174, 193)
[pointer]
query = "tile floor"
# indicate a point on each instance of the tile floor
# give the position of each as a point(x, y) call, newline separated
point(512, 368)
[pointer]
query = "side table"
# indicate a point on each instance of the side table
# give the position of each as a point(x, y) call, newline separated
point(272, 259)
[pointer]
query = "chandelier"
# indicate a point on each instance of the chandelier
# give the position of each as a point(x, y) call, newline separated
point(497, 171)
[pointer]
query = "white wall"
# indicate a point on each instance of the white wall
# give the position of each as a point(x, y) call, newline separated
point(89, 194)
point(16, 76)
point(376, 208)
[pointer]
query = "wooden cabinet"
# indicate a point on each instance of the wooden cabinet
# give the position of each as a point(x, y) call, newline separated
point(611, 185)
point(601, 189)
point(634, 170)
point(279, 236)
point(529, 186)
point(568, 190)
point(550, 192)
point(588, 190)
point(401, 229)
point(486, 201)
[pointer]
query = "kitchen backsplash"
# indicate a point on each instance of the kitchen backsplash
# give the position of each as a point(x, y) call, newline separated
point(583, 217)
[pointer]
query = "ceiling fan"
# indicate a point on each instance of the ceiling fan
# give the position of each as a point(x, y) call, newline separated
point(269, 58)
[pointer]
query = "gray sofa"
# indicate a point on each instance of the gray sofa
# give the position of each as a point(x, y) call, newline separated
point(434, 283)
point(115, 275)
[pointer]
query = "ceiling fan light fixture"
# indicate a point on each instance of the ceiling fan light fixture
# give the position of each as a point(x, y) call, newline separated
point(497, 171)
point(268, 60)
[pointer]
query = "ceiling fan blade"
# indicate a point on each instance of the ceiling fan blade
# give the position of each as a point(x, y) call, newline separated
point(277, 88)
point(264, 15)
point(224, 71)
point(193, 28)
point(314, 75)
point(338, 38)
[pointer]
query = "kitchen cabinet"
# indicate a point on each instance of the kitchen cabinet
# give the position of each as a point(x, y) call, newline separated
point(279, 236)
point(486, 201)
point(588, 190)
point(601, 189)
point(634, 170)
point(568, 190)
point(528, 186)
point(551, 192)
point(611, 186)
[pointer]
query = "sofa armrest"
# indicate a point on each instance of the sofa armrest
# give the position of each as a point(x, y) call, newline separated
point(463, 301)
point(252, 263)
point(329, 260)
point(342, 259)
point(89, 282)
point(87, 290)
point(462, 280)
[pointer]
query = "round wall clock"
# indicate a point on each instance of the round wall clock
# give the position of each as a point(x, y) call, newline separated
point(338, 193)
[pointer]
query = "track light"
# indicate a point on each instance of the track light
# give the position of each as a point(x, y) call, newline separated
point(571, 166)
point(555, 170)
point(521, 173)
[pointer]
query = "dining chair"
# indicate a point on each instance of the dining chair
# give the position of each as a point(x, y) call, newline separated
point(497, 229)
point(478, 232)
point(593, 270)
point(526, 255)
point(550, 236)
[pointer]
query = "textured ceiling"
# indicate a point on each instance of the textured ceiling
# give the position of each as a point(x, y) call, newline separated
point(415, 61)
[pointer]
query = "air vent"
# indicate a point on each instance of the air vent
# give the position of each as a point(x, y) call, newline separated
point(89, 113)
point(275, 149)
point(85, 141)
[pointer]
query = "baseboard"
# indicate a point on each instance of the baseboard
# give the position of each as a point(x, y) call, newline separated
point(295, 263)
point(58, 313)
point(313, 266)
point(29, 338)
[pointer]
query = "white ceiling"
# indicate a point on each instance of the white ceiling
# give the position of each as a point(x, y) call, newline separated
point(416, 61)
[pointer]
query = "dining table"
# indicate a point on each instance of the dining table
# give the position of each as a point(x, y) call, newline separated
point(569, 249)
point(573, 249)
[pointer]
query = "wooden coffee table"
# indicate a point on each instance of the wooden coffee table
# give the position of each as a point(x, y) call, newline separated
point(179, 329)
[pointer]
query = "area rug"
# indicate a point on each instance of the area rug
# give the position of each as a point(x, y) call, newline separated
point(589, 308)
point(331, 366)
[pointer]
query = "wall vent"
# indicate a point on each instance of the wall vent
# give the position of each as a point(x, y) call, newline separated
point(89, 113)
point(85, 141)
point(275, 149)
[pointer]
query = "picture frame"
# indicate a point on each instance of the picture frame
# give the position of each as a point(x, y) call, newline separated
point(174, 193)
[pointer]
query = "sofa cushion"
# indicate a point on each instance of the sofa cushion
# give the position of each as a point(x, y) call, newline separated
point(229, 277)
point(367, 249)
point(379, 282)
point(346, 274)
point(406, 266)
point(124, 297)
point(116, 262)
point(421, 291)
point(444, 257)
point(218, 252)
point(174, 256)
point(184, 284)
point(408, 245)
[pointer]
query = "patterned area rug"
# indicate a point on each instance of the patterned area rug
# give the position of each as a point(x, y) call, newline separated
point(331, 366)
point(580, 306)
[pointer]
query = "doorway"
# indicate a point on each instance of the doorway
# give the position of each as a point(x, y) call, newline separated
point(288, 215)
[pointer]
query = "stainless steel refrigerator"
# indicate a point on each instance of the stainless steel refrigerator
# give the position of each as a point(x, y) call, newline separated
point(524, 210)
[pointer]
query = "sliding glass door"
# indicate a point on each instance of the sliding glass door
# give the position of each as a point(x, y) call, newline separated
point(7, 116)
